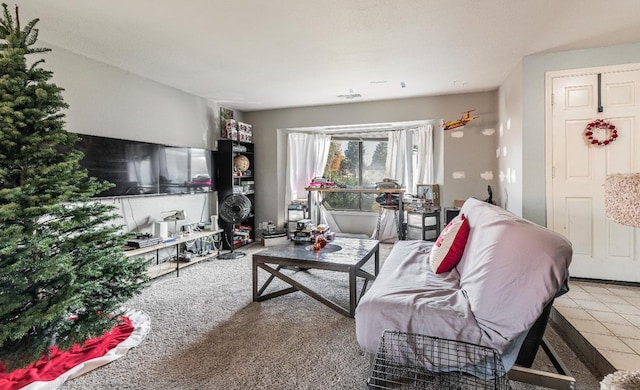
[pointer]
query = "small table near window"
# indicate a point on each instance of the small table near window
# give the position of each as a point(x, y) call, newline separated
point(423, 224)
point(450, 213)
point(314, 195)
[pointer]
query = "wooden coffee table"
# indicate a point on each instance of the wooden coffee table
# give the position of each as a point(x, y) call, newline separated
point(341, 254)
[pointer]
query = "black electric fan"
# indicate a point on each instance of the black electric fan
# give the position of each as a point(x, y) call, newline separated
point(234, 209)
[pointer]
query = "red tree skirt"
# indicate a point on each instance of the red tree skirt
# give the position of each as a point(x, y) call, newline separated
point(51, 372)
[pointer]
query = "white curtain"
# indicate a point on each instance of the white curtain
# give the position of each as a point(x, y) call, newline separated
point(307, 156)
point(398, 167)
point(398, 164)
point(407, 170)
point(423, 171)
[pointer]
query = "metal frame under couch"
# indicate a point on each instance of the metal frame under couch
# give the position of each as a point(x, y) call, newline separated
point(497, 295)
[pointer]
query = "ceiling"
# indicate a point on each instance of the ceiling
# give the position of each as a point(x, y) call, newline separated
point(255, 54)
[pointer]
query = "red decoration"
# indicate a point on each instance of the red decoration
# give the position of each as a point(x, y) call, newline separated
point(601, 124)
point(60, 361)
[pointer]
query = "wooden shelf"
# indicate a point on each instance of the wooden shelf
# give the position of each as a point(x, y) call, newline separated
point(177, 241)
point(168, 266)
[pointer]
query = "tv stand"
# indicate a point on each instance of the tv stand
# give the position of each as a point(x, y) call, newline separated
point(162, 268)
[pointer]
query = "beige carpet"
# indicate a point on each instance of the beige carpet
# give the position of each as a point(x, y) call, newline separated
point(208, 334)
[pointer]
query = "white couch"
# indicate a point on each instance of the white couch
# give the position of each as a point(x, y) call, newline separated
point(511, 269)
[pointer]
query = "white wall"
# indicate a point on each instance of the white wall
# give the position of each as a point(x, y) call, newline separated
point(509, 148)
point(473, 154)
point(111, 102)
point(533, 118)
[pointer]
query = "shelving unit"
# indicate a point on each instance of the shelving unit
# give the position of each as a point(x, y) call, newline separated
point(230, 180)
point(162, 268)
point(420, 223)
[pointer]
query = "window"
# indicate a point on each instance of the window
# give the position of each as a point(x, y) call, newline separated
point(354, 163)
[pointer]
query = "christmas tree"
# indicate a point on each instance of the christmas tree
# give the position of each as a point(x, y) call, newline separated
point(63, 274)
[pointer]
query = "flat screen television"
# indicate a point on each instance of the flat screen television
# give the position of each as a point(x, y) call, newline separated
point(140, 168)
point(184, 170)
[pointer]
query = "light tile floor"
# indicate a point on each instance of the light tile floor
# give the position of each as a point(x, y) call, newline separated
point(608, 317)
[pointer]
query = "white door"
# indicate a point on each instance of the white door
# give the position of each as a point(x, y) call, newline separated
point(602, 249)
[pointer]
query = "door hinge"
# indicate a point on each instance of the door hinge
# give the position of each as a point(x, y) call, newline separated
point(552, 98)
point(553, 172)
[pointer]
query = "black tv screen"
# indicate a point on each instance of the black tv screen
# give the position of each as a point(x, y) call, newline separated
point(140, 168)
point(184, 170)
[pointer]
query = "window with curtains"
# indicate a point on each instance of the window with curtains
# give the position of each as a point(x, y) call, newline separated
point(359, 156)
point(357, 163)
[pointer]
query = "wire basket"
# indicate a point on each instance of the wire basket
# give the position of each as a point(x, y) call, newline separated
point(415, 361)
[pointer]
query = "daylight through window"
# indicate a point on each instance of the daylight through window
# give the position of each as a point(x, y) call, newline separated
point(354, 163)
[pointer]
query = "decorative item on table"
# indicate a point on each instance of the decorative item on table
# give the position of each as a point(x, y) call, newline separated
point(387, 183)
point(303, 223)
point(323, 230)
point(319, 242)
point(304, 234)
point(321, 182)
point(429, 193)
point(303, 231)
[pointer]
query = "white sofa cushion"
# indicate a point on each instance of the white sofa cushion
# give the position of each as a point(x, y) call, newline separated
point(510, 269)
point(407, 296)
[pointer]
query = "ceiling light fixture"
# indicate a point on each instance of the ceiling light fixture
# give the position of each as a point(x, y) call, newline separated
point(350, 95)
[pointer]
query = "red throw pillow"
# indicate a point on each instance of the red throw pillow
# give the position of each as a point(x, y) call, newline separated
point(449, 246)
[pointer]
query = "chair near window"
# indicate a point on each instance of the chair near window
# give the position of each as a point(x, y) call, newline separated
point(389, 202)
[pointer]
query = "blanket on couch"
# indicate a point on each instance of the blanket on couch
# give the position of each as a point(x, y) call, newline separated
point(510, 270)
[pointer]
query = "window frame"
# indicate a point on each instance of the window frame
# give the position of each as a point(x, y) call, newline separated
point(360, 176)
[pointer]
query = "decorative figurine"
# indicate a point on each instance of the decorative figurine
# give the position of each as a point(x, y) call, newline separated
point(464, 119)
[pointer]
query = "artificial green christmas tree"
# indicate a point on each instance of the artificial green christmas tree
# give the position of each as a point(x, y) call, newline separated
point(63, 274)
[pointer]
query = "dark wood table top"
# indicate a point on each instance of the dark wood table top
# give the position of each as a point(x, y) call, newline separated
point(352, 252)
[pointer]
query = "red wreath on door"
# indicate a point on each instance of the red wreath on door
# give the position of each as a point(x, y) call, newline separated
point(601, 124)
